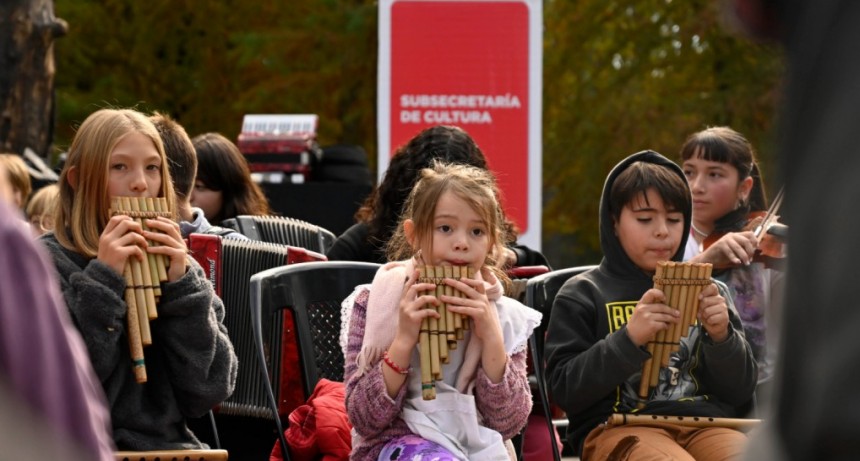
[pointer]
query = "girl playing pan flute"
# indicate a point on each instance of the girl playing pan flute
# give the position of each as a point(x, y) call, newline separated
point(452, 218)
point(191, 365)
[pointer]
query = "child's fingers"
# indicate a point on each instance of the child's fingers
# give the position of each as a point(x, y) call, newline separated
point(713, 317)
point(653, 296)
point(741, 246)
point(418, 289)
point(650, 316)
point(126, 248)
point(470, 287)
point(131, 239)
point(114, 221)
point(749, 242)
point(121, 224)
point(171, 252)
point(123, 235)
point(165, 226)
point(423, 311)
point(166, 240)
point(713, 310)
point(708, 291)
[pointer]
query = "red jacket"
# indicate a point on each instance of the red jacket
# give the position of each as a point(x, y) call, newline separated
point(319, 429)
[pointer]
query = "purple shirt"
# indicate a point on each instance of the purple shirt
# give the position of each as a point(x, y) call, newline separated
point(43, 360)
point(373, 414)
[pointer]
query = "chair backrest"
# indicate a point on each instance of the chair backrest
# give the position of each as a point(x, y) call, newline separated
point(229, 265)
point(283, 230)
point(540, 295)
point(541, 289)
point(304, 300)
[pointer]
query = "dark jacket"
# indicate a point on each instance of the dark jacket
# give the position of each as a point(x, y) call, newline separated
point(593, 368)
point(353, 245)
point(190, 366)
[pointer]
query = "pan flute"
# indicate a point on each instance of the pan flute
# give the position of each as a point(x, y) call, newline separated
point(681, 283)
point(438, 336)
point(143, 278)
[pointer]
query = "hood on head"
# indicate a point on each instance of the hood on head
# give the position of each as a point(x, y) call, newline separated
point(615, 259)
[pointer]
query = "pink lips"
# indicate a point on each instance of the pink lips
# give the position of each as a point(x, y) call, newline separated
point(663, 253)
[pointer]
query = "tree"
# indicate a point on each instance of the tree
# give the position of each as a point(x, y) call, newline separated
point(620, 77)
point(28, 29)
point(209, 63)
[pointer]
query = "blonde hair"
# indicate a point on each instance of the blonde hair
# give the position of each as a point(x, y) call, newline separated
point(84, 210)
point(18, 175)
point(42, 205)
point(475, 186)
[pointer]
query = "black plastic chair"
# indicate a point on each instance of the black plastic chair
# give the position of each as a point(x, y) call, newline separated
point(312, 294)
point(283, 230)
point(540, 295)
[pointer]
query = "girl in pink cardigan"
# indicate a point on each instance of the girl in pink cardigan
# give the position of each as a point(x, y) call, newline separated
point(452, 218)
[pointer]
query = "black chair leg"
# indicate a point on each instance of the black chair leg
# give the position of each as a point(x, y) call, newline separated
point(537, 359)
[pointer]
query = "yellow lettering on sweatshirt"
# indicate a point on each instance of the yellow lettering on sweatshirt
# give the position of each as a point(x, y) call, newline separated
point(619, 313)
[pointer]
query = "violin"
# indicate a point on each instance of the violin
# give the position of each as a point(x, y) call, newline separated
point(770, 234)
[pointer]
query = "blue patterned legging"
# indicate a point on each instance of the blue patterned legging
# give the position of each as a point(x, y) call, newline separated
point(414, 448)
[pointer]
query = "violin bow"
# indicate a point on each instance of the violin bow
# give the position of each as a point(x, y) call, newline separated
point(770, 216)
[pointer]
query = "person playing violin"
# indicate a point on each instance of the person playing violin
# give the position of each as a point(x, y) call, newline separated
point(729, 202)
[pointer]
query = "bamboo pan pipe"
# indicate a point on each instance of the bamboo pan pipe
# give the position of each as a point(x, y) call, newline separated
point(143, 279)
point(438, 337)
point(681, 283)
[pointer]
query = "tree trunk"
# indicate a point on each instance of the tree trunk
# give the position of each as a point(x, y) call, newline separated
point(27, 32)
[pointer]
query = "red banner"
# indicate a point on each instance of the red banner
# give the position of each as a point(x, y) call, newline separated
point(465, 63)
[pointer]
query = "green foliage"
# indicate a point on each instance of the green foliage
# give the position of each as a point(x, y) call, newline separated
point(619, 77)
point(209, 63)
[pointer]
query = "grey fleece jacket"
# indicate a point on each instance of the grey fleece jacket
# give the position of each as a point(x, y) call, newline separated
point(190, 366)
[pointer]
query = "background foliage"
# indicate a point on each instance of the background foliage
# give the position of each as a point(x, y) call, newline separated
point(619, 77)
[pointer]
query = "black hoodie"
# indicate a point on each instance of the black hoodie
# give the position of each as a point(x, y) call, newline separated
point(593, 367)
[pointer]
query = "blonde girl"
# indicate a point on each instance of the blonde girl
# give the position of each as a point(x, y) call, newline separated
point(451, 218)
point(191, 366)
point(18, 176)
point(40, 209)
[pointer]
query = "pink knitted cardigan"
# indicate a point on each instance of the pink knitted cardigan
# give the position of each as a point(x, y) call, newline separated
point(373, 413)
point(387, 288)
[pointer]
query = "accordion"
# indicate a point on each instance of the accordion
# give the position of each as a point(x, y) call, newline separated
point(283, 230)
point(229, 265)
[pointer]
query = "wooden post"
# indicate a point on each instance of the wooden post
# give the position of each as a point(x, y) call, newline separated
point(28, 29)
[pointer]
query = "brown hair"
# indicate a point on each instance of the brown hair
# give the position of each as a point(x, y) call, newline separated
point(637, 178)
point(725, 145)
point(180, 154)
point(221, 167)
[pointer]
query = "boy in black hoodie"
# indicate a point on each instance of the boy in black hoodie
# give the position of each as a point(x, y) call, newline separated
point(602, 320)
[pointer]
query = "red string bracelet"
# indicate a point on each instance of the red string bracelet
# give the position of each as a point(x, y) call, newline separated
point(387, 359)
